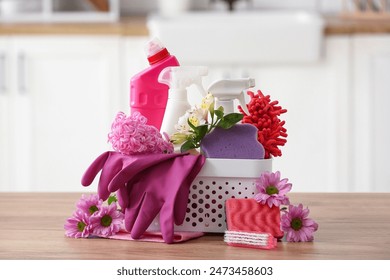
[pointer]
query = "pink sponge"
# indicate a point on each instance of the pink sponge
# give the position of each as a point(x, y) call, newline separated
point(249, 239)
point(250, 216)
point(238, 142)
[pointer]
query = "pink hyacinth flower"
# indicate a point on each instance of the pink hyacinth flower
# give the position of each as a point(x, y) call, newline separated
point(298, 226)
point(131, 135)
point(89, 204)
point(78, 225)
point(272, 190)
point(107, 221)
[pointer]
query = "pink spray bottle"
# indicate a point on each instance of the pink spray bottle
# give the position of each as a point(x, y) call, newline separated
point(147, 95)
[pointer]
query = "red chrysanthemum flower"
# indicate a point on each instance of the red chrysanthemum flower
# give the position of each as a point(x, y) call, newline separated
point(264, 114)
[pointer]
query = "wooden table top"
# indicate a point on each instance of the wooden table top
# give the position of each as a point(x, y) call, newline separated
point(351, 226)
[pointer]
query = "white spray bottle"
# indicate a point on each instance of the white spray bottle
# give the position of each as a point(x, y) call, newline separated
point(179, 78)
point(226, 91)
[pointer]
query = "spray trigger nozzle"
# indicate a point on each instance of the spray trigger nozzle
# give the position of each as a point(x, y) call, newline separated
point(181, 77)
point(227, 90)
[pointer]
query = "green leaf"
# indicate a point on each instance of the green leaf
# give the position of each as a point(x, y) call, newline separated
point(225, 124)
point(234, 117)
point(188, 145)
point(112, 199)
point(201, 132)
point(219, 113)
point(229, 120)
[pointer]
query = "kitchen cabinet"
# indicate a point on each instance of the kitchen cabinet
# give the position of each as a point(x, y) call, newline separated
point(316, 95)
point(371, 102)
point(60, 100)
point(58, 11)
point(5, 104)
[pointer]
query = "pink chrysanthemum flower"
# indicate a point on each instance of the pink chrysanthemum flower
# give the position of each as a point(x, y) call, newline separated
point(297, 225)
point(77, 226)
point(89, 204)
point(272, 190)
point(107, 221)
point(131, 135)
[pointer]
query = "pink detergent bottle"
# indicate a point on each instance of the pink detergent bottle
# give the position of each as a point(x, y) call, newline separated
point(147, 95)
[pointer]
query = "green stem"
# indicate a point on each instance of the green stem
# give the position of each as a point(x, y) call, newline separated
point(212, 121)
point(213, 124)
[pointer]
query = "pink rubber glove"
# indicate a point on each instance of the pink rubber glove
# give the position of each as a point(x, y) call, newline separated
point(130, 172)
point(164, 189)
point(112, 163)
point(146, 184)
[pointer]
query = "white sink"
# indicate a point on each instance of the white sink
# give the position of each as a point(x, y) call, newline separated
point(241, 37)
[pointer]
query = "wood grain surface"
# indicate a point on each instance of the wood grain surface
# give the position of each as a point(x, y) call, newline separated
point(136, 26)
point(132, 26)
point(351, 226)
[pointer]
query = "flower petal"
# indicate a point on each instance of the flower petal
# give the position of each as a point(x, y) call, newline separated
point(284, 188)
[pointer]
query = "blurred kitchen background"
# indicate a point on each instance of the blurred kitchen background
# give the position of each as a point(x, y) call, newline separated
point(65, 68)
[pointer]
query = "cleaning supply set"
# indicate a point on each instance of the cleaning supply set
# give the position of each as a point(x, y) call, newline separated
point(212, 185)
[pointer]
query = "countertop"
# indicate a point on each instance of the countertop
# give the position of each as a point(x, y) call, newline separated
point(351, 226)
point(132, 26)
point(338, 26)
point(136, 26)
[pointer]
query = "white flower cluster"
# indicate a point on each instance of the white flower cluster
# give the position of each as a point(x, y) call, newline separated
point(197, 116)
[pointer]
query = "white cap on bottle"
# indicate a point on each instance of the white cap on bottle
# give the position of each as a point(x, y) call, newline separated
point(155, 50)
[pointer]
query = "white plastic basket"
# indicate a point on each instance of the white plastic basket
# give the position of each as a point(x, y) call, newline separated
point(219, 180)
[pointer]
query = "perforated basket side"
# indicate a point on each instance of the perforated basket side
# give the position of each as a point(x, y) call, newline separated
point(206, 200)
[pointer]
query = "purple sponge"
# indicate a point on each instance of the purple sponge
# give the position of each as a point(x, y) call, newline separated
point(238, 142)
